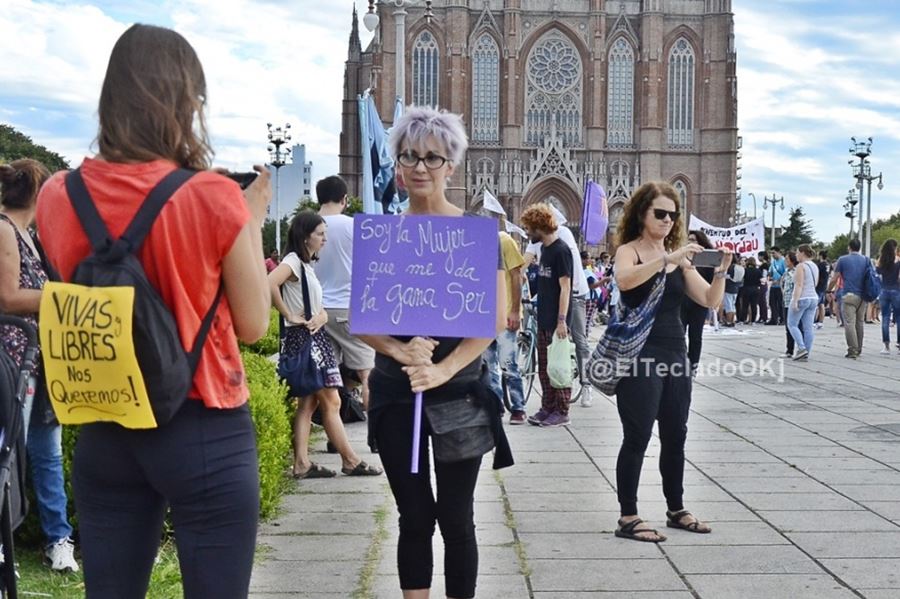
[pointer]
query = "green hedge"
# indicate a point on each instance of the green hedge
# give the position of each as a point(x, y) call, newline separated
point(272, 420)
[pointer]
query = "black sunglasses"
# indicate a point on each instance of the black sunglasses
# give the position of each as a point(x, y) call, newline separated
point(661, 214)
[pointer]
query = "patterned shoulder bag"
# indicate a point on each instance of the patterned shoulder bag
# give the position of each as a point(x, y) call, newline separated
point(624, 339)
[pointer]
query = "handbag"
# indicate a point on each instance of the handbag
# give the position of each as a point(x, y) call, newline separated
point(559, 363)
point(461, 429)
point(624, 339)
point(300, 371)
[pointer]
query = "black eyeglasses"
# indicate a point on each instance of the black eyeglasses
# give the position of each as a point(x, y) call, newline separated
point(661, 214)
point(411, 160)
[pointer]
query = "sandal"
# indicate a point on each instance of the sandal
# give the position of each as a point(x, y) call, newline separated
point(362, 469)
point(627, 531)
point(675, 518)
point(315, 471)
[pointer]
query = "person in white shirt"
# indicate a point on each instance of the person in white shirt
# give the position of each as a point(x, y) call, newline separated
point(580, 292)
point(334, 269)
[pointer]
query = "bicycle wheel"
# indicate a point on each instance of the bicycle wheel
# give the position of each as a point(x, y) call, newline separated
point(526, 356)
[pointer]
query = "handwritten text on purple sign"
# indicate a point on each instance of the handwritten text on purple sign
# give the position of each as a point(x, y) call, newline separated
point(424, 275)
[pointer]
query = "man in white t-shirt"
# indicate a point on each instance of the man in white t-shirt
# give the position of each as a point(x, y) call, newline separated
point(580, 293)
point(333, 270)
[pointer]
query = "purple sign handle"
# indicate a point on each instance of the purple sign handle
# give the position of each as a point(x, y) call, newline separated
point(417, 434)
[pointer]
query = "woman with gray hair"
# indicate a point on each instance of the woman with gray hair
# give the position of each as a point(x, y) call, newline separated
point(427, 146)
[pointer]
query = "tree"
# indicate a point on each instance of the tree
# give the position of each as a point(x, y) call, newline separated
point(798, 231)
point(15, 145)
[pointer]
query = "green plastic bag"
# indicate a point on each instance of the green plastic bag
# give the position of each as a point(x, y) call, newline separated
point(559, 362)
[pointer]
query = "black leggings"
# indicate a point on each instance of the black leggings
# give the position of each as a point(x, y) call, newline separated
point(749, 304)
point(650, 394)
point(453, 510)
point(203, 464)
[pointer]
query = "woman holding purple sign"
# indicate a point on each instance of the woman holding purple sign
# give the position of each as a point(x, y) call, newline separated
point(427, 145)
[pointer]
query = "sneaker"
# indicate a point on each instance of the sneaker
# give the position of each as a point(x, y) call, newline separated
point(818, 325)
point(538, 417)
point(517, 417)
point(885, 351)
point(587, 397)
point(801, 353)
point(555, 419)
point(851, 355)
point(786, 354)
point(61, 556)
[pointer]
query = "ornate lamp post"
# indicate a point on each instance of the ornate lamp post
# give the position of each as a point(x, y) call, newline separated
point(278, 157)
point(850, 208)
point(863, 172)
point(370, 20)
point(773, 201)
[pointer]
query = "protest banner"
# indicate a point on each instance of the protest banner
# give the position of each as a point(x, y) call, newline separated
point(746, 239)
point(424, 275)
point(90, 366)
point(431, 276)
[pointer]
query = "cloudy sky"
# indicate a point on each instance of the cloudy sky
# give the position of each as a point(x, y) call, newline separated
point(811, 73)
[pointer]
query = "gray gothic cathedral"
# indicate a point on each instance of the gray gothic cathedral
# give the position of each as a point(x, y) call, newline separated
point(558, 91)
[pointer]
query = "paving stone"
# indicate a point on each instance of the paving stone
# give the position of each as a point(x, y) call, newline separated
point(768, 586)
point(558, 576)
point(850, 544)
point(727, 534)
point(798, 501)
point(839, 521)
point(741, 560)
point(867, 573)
point(552, 545)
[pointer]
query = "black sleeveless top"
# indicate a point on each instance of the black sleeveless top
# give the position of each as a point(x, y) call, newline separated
point(668, 330)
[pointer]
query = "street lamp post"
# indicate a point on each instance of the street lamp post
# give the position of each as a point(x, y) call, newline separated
point(752, 195)
point(278, 157)
point(773, 201)
point(370, 20)
point(850, 208)
point(863, 172)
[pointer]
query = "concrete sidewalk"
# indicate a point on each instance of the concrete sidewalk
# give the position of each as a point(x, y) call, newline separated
point(798, 475)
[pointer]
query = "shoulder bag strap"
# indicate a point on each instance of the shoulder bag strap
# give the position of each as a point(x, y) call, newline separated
point(307, 308)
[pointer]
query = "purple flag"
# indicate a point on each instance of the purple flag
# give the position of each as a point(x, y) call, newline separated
point(595, 219)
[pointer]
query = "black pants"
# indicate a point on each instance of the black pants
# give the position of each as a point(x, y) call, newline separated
point(748, 303)
point(693, 316)
point(776, 304)
point(203, 465)
point(453, 509)
point(763, 307)
point(660, 389)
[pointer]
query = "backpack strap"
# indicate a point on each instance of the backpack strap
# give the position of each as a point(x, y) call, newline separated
point(200, 339)
point(143, 220)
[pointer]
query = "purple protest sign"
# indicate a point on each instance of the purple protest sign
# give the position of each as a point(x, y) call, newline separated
point(424, 275)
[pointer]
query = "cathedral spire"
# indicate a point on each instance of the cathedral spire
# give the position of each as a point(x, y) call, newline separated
point(354, 48)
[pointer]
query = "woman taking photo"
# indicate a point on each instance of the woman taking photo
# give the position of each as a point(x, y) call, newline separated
point(201, 464)
point(305, 238)
point(651, 245)
point(427, 146)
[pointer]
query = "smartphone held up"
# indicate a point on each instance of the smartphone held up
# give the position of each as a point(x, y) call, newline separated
point(243, 179)
point(708, 259)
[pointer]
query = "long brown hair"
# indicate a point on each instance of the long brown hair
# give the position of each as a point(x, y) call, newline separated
point(152, 100)
point(20, 181)
point(631, 226)
point(888, 255)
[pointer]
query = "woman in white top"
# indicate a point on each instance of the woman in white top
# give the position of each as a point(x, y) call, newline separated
point(305, 238)
point(804, 301)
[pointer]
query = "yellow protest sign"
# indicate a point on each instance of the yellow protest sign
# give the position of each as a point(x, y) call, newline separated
point(89, 360)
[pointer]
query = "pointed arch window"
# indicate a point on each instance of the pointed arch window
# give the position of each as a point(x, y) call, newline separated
point(425, 68)
point(553, 96)
point(681, 189)
point(680, 127)
point(486, 91)
point(620, 95)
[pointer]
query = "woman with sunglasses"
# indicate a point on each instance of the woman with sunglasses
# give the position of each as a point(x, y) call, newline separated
point(651, 245)
point(428, 145)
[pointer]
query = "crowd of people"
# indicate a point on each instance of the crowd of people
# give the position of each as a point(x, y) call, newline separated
point(202, 464)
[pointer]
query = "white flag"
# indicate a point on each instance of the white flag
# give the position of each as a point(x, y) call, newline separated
point(560, 217)
point(511, 228)
point(491, 203)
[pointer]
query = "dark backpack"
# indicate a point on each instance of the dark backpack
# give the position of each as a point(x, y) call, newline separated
point(167, 369)
point(871, 287)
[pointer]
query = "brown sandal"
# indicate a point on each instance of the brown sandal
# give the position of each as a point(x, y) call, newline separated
point(362, 469)
point(315, 471)
point(627, 531)
point(675, 518)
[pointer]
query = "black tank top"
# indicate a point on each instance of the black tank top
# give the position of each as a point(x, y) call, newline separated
point(668, 330)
